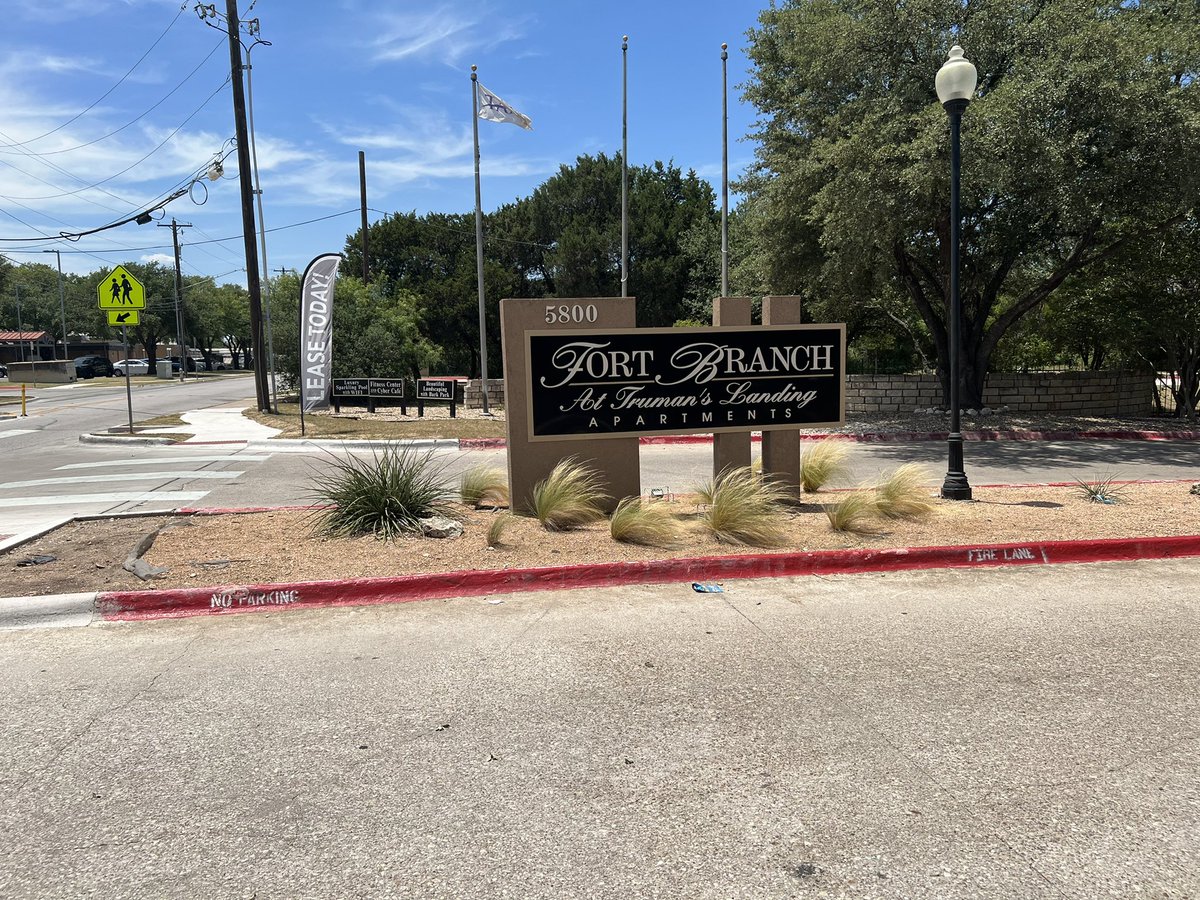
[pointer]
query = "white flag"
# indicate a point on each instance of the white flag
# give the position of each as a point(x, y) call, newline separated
point(494, 109)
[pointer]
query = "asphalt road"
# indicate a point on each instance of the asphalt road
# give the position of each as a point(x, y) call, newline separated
point(49, 475)
point(1020, 733)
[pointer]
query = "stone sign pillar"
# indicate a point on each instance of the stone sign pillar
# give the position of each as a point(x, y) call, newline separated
point(731, 450)
point(614, 459)
point(781, 449)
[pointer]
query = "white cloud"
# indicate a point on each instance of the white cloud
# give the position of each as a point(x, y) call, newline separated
point(165, 259)
point(446, 34)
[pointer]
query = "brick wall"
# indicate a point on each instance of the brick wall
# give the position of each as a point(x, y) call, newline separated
point(1069, 393)
point(473, 396)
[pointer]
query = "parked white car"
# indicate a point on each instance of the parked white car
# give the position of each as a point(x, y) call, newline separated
point(135, 366)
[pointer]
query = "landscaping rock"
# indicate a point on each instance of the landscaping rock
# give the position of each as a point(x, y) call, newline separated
point(440, 527)
point(1195, 488)
point(987, 411)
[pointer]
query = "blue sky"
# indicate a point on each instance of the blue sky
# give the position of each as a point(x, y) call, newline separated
point(391, 79)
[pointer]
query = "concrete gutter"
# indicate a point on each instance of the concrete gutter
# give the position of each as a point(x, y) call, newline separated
point(116, 606)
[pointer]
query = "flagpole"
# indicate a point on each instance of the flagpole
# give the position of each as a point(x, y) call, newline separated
point(624, 168)
point(724, 171)
point(483, 360)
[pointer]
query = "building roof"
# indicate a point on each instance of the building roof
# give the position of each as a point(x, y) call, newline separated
point(22, 335)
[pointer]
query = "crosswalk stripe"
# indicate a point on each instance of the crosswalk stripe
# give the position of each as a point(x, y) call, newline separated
point(15, 432)
point(159, 460)
point(108, 479)
point(85, 499)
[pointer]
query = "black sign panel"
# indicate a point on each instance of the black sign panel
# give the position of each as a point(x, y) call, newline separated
point(436, 389)
point(386, 387)
point(350, 387)
point(684, 380)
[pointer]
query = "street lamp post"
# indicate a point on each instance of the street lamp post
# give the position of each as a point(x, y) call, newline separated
point(955, 84)
point(62, 303)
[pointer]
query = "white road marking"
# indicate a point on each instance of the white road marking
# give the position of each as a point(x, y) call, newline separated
point(108, 479)
point(88, 499)
point(14, 432)
point(159, 460)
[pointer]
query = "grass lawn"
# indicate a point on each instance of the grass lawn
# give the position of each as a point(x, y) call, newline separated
point(371, 427)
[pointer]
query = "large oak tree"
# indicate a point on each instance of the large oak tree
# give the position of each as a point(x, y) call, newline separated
point(1083, 141)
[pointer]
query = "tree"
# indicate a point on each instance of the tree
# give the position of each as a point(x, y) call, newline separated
point(575, 217)
point(375, 330)
point(1084, 137)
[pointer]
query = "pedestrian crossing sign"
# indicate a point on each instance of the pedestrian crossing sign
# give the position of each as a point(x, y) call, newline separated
point(128, 317)
point(120, 290)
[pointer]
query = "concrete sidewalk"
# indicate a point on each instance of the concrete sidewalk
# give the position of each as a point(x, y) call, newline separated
point(1001, 734)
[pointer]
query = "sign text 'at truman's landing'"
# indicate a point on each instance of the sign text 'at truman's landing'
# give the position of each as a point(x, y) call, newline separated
point(684, 380)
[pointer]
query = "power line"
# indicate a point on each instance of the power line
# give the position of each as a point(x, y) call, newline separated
point(134, 165)
point(121, 81)
point(234, 237)
point(39, 155)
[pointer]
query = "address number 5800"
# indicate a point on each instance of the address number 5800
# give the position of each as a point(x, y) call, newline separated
point(570, 313)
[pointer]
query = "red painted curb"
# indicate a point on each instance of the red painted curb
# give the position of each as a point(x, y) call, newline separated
point(898, 436)
point(136, 605)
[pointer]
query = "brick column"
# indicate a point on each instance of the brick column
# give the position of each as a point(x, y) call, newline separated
point(731, 450)
point(781, 449)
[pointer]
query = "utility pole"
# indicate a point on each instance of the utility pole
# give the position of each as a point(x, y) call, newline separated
point(20, 330)
point(183, 355)
point(362, 191)
point(249, 232)
point(62, 303)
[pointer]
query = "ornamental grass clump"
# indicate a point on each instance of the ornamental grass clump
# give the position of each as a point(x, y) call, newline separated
point(742, 508)
point(385, 495)
point(1103, 490)
point(905, 493)
point(496, 529)
point(856, 512)
point(484, 486)
point(570, 496)
point(821, 462)
point(635, 521)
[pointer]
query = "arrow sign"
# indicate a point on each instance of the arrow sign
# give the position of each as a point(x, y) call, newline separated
point(127, 317)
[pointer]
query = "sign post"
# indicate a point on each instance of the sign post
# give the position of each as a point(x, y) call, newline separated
point(128, 387)
point(121, 295)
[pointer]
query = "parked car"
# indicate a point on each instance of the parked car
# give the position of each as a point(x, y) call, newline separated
point(134, 366)
point(3, 371)
point(93, 367)
point(177, 362)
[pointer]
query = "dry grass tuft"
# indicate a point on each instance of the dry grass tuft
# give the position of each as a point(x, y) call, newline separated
point(635, 521)
point(857, 512)
point(496, 529)
point(905, 493)
point(821, 462)
point(568, 497)
point(742, 508)
point(484, 486)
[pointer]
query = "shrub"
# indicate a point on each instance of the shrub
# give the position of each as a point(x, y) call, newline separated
point(821, 462)
point(568, 497)
point(484, 486)
point(496, 529)
point(905, 493)
point(650, 524)
point(742, 508)
point(384, 495)
point(856, 512)
point(1103, 490)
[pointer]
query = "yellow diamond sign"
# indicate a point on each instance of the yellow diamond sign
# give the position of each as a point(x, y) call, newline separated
point(120, 290)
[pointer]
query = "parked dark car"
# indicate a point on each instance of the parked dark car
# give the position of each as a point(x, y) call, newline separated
point(93, 367)
point(177, 363)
